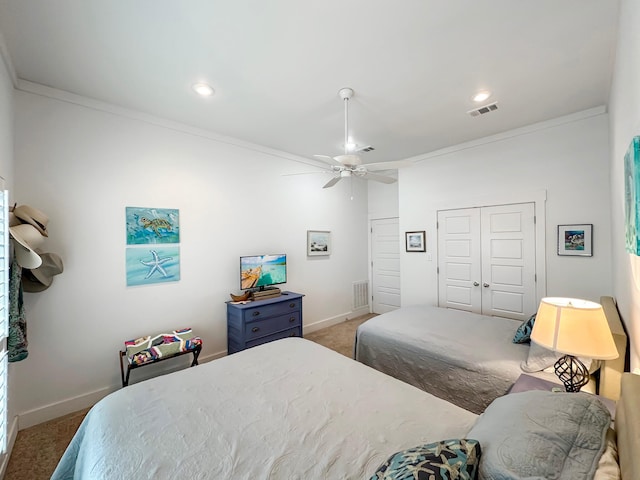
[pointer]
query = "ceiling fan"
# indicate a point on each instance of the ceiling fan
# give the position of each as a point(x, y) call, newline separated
point(350, 164)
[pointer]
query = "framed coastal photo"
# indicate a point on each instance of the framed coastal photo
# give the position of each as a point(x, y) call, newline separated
point(415, 241)
point(575, 240)
point(318, 243)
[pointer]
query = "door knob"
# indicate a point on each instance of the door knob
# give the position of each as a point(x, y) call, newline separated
point(475, 284)
point(485, 285)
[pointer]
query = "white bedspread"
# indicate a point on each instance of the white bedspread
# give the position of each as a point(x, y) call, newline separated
point(289, 409)
point(462, 357)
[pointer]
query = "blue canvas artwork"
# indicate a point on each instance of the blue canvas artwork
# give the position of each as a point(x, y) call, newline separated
point(152, 265)
point(632, 197)
point(152, 225)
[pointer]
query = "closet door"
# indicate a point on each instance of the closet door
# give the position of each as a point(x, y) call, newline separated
point(508, 260)
point(486, 260)
point(459, 266)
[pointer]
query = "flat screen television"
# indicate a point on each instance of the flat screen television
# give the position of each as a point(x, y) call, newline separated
point(261, 271)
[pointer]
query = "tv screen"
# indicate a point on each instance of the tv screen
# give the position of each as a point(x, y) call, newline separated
point(260, 271)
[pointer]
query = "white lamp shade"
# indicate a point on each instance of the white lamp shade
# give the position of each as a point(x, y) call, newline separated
point(574, 327)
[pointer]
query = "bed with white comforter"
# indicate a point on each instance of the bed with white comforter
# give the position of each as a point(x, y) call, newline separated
point(465, 358)
point(284, 410)
point(292, 409)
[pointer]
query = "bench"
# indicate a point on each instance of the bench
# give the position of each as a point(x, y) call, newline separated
point(148, 350)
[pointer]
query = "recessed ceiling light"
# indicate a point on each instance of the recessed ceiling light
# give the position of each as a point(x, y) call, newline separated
point(203, 89)
point(481, 96)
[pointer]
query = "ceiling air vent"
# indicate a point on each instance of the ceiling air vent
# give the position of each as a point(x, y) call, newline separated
point(482, 110)
point(368, 148)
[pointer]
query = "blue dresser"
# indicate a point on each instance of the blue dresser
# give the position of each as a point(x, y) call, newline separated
point(262, 321)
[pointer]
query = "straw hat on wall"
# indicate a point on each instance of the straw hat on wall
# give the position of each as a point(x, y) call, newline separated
point(39, 279)
point(27, 239)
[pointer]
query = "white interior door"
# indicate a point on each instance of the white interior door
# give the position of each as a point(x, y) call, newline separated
point(385, 265)
point(459, 267)
point(487, 260)
point(508, 260)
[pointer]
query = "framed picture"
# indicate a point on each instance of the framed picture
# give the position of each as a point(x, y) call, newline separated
point(318, 243)
point(632, 196)
point(415, 241)
point(575, 240)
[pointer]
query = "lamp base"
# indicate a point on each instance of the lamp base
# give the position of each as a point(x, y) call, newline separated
point(572, 373)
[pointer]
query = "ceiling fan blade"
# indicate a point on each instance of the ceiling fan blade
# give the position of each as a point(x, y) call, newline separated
point(380, 178)
point(327, 159)
point(373, 167)
point(332, 182)
point(324, 172)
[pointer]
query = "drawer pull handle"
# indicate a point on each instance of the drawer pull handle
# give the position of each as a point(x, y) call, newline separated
point(292, 305)
point(256, 313)
point(292, 319)
point(255, 329)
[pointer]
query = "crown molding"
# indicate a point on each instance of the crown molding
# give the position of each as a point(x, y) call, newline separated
point(6, 58)
point(99, 105)
point(535, 127)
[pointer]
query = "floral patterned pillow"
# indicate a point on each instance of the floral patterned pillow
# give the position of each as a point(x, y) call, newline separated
point(448, 459)
point(523, 333)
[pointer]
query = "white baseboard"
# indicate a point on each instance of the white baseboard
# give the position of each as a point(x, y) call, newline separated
point(330, 322)
point(12, 433)
point(73, 404)
point(69, 405)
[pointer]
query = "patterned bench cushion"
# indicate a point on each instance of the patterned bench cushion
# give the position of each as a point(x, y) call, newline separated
point(148, 349)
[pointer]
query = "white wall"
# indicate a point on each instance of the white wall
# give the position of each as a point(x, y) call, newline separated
point(6, 172)
point(6, 124)
point(624, 107)
point(383, 200)
point(566, 158)
point(82, 167)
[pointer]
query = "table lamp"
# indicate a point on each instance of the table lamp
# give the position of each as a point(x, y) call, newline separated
point(576, 328)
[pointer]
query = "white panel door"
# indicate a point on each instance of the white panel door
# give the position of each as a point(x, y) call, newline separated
point(459, 268)
point(486, 260)
point(508, 260)
point(385, 265)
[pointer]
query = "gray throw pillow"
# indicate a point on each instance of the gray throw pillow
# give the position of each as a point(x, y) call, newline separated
point(542, 435)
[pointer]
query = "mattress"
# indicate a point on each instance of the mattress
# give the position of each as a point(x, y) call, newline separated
point(287, 409)
point(462, 357)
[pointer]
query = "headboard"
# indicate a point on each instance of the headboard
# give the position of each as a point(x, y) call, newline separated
point(627, 425)
point(611, 371)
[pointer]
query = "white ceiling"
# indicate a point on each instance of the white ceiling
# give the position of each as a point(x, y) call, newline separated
point(277, 65)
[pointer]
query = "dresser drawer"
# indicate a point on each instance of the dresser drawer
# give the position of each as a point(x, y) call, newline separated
point(253, 323)
point(292, 332)
point(260, 328)
point(265, 311)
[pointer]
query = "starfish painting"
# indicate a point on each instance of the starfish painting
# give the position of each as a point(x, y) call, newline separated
point(156, 264)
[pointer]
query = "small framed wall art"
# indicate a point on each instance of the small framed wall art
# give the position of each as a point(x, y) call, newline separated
point(575, 240)
point(318, 243)
point(415, 241)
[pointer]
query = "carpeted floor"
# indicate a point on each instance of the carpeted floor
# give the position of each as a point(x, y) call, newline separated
point(38, 449)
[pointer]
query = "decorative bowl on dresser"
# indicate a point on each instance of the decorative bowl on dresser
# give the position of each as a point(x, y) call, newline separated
point(254, 323)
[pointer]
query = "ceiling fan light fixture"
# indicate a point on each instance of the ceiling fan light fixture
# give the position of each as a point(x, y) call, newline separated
point(481, 96)
point(203, 89)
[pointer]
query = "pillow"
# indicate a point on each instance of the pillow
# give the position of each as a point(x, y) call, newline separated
point(539, 358)
point(447, 459)
point(608, 466)
point(592, 364)
point(538, 434)
point(523, 333)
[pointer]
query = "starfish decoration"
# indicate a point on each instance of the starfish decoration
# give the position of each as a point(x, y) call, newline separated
point(156, 264)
